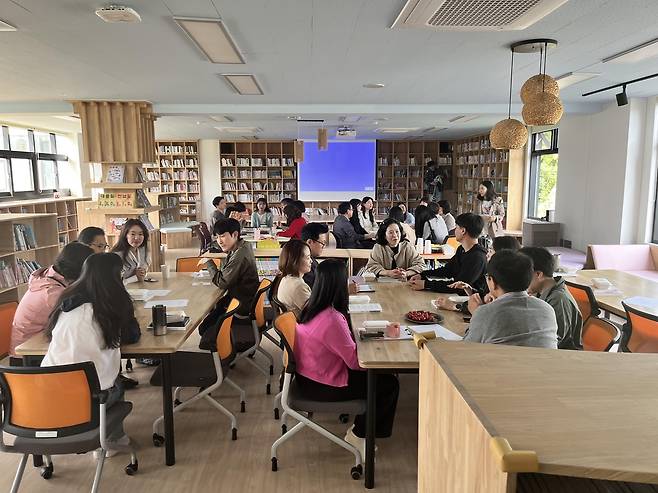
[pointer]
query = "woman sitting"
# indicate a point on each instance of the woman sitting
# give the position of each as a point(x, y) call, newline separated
point(327, 365)
point(431, 226)
point(393, 256)
point(262, 216)
point(397, 212)
point(444, 212)
point(295, 222)
point(294, 262)
point(132, 247)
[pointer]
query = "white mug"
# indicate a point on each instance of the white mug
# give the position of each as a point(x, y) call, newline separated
point(164, 269)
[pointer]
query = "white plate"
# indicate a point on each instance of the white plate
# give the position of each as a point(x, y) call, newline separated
point(458, 299)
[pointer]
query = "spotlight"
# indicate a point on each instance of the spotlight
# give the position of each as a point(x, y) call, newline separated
point(622, 98)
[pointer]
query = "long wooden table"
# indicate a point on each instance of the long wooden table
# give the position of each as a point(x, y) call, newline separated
point(378, 356)
point(203, 299)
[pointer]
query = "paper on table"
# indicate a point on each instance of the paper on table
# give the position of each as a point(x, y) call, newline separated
point(612, 291)
point(167, 303)
point(356, 299)
point(365, 288)
point(643, 302)
point(159, 292)
point(140, 294)
point(365, 308)
point(130, 280)
point(388, 279)
point(439, 330)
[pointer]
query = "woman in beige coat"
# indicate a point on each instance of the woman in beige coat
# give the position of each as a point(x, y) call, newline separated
point(392, 255)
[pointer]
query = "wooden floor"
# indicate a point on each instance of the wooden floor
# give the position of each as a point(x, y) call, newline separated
point(207, 458)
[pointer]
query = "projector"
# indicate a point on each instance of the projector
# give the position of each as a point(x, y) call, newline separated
point(346, 133)
point(118, 13)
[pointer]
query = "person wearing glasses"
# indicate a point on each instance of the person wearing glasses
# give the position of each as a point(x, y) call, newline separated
point(94, 238)
point(315, 235)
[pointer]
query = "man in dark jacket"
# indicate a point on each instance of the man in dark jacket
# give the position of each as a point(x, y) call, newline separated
point(468, 265)
point(343, 230)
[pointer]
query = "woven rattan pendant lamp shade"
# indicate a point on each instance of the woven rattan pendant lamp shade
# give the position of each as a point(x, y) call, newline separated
point(543, 109)
point(509, 133)
point(536, 85)
point(541, 93)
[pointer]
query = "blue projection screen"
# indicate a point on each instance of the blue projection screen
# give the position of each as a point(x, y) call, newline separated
point(343, 171)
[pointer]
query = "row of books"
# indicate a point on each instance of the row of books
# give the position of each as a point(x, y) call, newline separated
point(476, 171)
point(489, 157)
point(24, 268)
point(190, 187)
point(483, 143)
point(176, 149)
point(179, 163)
point(24, 237)
point(7, 275)
point(189, 198)
point(257, 161)
point(167, 202)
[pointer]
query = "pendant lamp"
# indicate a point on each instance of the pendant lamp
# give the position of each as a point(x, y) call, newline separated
point(323, 139)
point(540, 93)
point(509, 133)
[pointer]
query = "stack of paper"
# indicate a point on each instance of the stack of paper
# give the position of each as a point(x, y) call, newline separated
point(359, 299)
point(436, 329)
point(365, 308)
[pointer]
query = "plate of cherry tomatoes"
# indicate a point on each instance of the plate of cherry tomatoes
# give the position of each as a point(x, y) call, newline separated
point(423, 317)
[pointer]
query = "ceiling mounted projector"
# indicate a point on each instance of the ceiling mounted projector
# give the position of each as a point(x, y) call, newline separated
point(118, 13)
point(346, 133)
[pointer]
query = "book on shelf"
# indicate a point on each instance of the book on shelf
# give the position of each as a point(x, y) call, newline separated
point(24, 268)
point(24, 237)
point(115, 173)
point(140, 175)
point(142, 199)
point(7, 276)
point(147, 222)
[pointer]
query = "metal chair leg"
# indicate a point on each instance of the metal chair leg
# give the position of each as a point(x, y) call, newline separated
point(99, 471)
point(19, 474)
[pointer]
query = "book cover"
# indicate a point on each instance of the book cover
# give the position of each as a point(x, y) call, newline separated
point(115, 173)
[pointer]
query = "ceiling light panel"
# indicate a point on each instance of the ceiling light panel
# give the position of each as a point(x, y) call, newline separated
point(239, 130)
point(245, 84)
point(212, 38)
point(635, 54)
point(221, 118)
point(4, 26)
point(397, 130)
point(571, 78)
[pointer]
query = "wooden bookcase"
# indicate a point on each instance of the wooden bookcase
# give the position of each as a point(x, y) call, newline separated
point(475, 160)
point(170, 208)
point(252, 169)
point(401, 166)
point(176, 169)
point(44, 229)
point(64, 208)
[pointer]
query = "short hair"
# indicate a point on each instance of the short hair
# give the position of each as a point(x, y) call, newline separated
point(505, 243)
point(88, 234)
point(433, 207)
point(312, 231)
point(226, 225)
point(426, 198)
point(445, 205)
point(70, 260)
point(343, 207)
point(381, 232)
point(240, 207)
point(542, 259)
point(291, 256)
point(217, 200)
point(396, 213)
point(472, 223)
point(512, 271)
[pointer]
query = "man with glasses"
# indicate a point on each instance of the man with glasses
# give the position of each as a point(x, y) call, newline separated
point(94, 238)
point(315, 236)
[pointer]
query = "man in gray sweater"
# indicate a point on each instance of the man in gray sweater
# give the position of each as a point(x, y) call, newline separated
point(513, 317)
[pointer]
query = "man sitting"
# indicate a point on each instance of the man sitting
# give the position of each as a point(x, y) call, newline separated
point(315, 236)
point(468, 264)
point(344, 231)
point(554, 292)
point(513, 317)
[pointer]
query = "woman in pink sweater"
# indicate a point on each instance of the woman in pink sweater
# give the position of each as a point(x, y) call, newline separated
point(325, 353)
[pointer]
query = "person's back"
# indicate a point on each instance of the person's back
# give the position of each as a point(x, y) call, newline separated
point(567, 314)
point(435, 230)
point(344, 231)
point(238, 274)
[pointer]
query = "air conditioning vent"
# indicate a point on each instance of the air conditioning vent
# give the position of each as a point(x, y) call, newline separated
point(118, 13)
point(474, 15)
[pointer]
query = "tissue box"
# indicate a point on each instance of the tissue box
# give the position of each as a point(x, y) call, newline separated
point(601, 283)
point(375, 325)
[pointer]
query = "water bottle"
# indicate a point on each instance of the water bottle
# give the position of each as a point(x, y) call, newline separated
point(159, 316)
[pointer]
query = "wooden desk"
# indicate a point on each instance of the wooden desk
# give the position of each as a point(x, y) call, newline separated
point(385, 356)
point(150, 346)
point(275, 252)
point(580, 413)
point(629, 284)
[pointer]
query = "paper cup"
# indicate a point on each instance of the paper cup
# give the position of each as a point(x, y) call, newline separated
point(164, 269)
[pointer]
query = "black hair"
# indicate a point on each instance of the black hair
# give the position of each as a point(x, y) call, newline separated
point(505, 243)
point(491, 191)
point(329, 290)
point(99, 284)
point(542, 259)
point(292, 212)
point(312, 231)
point(401, 203)
point(370, 212)
point(286, 200)
point(396, 213)
point(434, 208)
point(230, 210)
point(511, 270)
point(381, 232)
point(263, 199)
point(472, 223)
point(300, 205)
point(217, 200)
point(358, 229)
point(122, 246)
point(445, 205)
point(69, 261)
point(226, 225)
point(343, 207)
point(425, 198)
point(423, 215)
point(88, 234)
point(240, 207)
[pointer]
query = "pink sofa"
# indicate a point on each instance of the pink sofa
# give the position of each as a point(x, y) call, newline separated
point(640, 260)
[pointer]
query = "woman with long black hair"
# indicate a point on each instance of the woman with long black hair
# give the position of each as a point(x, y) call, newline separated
point(295, 222)
point(132, 247)
point(368, 236)
point(367, 215)
point(492, 209)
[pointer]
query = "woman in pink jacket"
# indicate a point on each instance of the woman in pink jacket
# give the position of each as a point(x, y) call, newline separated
point(44, 287)
point(325, 353)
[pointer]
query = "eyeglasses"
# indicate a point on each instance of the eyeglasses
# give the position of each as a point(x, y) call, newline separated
point(321, 243)
point(103, 246)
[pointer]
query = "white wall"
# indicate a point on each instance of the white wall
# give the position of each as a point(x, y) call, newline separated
point(74, 174)
point(208, 176)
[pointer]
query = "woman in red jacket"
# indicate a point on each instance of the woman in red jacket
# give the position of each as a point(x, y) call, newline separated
point(295, 222)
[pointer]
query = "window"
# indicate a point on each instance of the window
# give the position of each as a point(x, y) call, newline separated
point(21, 175)
point(47, 174)
point(543, 173)
point(5, 177)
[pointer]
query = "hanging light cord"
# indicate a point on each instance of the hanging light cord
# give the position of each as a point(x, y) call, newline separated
point(511, 74)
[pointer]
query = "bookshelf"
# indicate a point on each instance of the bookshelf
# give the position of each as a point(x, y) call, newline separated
point(252, 169)
point(169, 211)
point(176, 169)
point(475, 160)
point(42, 247)
point(64, 208)
point(401, 166)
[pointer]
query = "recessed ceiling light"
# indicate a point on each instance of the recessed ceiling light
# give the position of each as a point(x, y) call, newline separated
point(212, 38)
point(5, 26)
point(239, 130)
point(570, 78)
point(397, 130)
point(374, 85)
point(198, 123)
point(245, 84)
point(221, 118)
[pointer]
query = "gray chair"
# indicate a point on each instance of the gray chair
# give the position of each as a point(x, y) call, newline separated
point(58, 410)
point(301, 409)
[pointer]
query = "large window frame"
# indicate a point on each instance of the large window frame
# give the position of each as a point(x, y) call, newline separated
point(535, 159)
point(33, 156)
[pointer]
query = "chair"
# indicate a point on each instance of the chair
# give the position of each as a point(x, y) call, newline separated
point(640, 332)
point(294, 404)
point(337, 239)
point(585, 300)
point(268, 244)
point(599, 334)
point(58, 410)
point(332, 242)
point(279, 309)
point(191, 264)
point(452, 241)
point(7, 311)
point(206, 370)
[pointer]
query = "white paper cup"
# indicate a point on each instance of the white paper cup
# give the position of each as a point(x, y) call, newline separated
point(164, 269)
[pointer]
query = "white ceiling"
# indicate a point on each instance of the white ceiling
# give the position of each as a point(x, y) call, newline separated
point(311, 57)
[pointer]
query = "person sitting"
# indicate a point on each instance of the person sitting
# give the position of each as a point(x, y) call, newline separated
point(325, 352)
point(302, 208)
point(94, 238)
point(367, 241)
point(503, 243)
point(513, 317)
point(295, 222)
point(444, 212)
point(219, 203)
point(468, 265)
point(262, 217)
point(553, 290)
point(132, 248)
point(294, 263)
point(431, 226)
point(92, 319)
point(396, 212)
point(393, 256)
point(315, 236)
point(343, 229)
point(408, 216)
point(366, 215)
point(43, 291)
